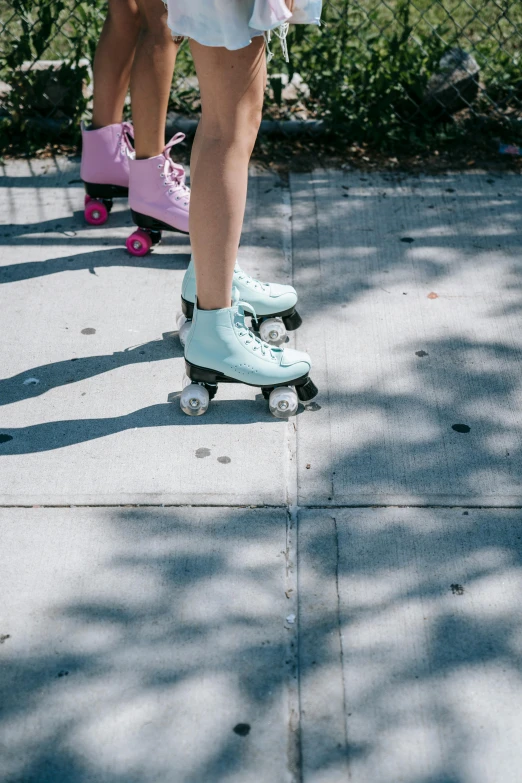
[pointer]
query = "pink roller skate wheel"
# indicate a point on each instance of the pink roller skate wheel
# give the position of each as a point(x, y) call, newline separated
point(96, 213)
point(139, 243)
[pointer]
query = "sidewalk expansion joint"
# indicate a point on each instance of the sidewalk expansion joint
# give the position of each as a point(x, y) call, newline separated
point(340, 635)
point(294, 755)
point(290, 509)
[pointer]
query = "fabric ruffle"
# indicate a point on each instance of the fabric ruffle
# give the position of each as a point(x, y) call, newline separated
point(233, 23)
point(269, 14)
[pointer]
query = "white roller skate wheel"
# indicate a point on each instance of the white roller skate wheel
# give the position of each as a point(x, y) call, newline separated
point(283, 402)
point(180, 320)
point(194, 400)
point(272, 331)
point(183, 331)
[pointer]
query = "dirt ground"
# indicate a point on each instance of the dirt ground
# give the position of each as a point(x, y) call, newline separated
point(305, 153)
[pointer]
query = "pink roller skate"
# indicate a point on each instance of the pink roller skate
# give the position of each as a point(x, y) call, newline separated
point(105, 168)
point(158, 198)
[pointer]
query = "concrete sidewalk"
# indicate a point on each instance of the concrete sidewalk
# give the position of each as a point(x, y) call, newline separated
point(239, 599)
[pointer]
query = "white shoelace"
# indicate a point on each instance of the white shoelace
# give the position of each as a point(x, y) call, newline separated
point(248, 336)
point(249, 280)
point(127, 132)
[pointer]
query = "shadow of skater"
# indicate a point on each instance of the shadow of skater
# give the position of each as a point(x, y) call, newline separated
point(100, 259)
point(57, 434)
point(38, 380)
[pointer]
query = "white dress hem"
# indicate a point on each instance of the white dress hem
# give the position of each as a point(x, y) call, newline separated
point(231, 48)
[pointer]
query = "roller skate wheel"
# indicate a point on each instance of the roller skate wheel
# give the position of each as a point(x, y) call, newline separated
point(272, 331)
point(283, 402)
point(194, 400)
point(183, 331)
point(96, 213)
point(139, 243)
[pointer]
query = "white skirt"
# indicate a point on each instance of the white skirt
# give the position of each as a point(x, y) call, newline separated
point(233, 23)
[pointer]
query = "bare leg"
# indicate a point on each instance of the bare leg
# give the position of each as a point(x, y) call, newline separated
point(151, 79)
point(232, 86)
point(194, 152)
point(113, 61)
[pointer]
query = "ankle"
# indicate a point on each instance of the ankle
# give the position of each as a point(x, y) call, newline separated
point(96, 125)
point(213, 304)
point(219, 307)
point(147, 153)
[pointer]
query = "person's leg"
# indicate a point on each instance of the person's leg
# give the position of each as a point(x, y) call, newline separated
point(151, 79)
point(232, 86)
point(113, 62)
point(194, 152)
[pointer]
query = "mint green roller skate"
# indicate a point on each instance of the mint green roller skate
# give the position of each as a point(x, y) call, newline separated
point(272, 303)
point(220, 348)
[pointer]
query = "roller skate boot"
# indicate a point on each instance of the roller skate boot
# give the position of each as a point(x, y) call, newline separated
point(220, 348)
point(273, 303)
point(104, 169)
point(158, 198)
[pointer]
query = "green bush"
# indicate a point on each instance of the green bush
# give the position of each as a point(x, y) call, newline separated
point(367, 82)
point(46, 104)
point(365, 69)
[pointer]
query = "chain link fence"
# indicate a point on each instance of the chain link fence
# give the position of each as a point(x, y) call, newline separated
point(384, 72)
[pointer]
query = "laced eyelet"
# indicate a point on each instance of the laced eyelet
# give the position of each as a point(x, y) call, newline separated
point(159, 165)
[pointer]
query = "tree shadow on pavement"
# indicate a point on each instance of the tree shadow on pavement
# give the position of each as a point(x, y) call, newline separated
point(99, 259)
point(170, 631)
point(164, 630)
point(424, 622)
point(144, 672)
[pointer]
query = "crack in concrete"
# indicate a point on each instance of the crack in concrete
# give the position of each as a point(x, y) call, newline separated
point(341, 648)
